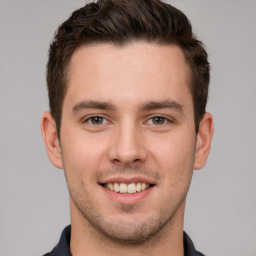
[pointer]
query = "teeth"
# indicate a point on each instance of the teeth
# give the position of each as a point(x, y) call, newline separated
point(138, 187)
point(116, 187)
point(127, 188)
point(123, 188)
point(131, 188)
point(111, 186)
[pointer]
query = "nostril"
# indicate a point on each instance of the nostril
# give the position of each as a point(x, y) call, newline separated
point(116, 161)
point(126, 155)
point(127, 163)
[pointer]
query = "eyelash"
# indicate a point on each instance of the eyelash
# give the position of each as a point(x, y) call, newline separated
point(89, 120)
point(164, 119)
point(104, 120)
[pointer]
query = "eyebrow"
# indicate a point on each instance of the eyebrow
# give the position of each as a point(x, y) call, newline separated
point(152, 105)
point(168, 104)
point(91, 104)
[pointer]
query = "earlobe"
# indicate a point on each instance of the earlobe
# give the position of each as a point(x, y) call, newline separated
point(204, 138)
point(51, 141)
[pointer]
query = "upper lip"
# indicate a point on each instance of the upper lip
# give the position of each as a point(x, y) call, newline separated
point(127, 180)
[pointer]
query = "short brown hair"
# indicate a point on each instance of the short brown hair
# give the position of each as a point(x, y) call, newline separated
point(120, 22)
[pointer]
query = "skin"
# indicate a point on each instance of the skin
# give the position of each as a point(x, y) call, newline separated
point(128, 116)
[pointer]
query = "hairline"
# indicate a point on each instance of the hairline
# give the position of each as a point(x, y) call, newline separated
point(189, 75)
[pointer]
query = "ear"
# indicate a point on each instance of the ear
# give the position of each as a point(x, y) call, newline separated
point(51, 141)
point(203, 143)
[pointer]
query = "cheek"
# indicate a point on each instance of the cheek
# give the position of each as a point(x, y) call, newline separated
point(82, 154)
point(174, 153)
point(83, 146)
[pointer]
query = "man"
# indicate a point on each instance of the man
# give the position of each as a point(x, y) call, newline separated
point(128, 85)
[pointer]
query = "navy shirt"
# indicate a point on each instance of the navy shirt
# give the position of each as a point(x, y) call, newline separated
point(62, 248)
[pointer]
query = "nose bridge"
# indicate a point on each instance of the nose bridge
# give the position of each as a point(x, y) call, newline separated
point(127, 146)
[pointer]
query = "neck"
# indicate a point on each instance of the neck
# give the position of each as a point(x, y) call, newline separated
point(87, 240)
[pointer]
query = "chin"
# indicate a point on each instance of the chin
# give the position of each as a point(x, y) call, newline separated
point(131, 232)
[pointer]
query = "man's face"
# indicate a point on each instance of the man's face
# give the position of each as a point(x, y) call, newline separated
point(128, 125)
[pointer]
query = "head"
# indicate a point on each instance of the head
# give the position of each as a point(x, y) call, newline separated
point(128, 85)
point(119, 23)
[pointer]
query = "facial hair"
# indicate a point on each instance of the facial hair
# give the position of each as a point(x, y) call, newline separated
point(129, 227)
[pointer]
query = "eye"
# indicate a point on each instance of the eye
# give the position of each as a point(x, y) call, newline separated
point(96, 120)
point(158, 120)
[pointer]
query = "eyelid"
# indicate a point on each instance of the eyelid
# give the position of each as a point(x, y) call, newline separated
point(166, 119)
point(89, 117)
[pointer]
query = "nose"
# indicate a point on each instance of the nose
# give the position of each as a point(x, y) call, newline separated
point(127, 146)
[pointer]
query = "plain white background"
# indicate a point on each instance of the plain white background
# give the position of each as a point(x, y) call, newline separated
point(221, 207)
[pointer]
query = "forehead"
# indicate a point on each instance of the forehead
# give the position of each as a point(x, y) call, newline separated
point(131, 73)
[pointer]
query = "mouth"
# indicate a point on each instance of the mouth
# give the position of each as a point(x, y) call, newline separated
point(131, 188)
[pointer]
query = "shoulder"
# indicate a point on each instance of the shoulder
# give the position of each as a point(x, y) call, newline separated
point(189, 247)
point(62, 248)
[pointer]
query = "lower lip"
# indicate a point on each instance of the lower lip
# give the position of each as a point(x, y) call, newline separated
point(127, 198)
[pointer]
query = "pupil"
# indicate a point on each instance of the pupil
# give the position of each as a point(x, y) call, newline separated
point(97, 120)
point(158, 120)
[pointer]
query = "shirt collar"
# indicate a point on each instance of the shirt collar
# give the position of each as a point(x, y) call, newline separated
point(62, 248)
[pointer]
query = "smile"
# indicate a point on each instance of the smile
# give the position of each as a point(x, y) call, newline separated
point(130, 188)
